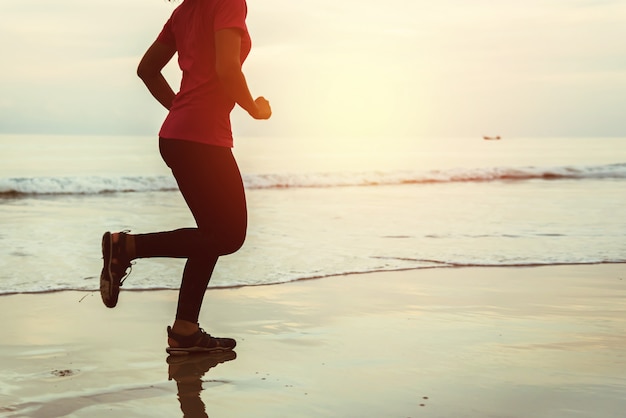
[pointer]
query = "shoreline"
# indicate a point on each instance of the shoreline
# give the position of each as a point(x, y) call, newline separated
point(479, 341)
point(328, 276)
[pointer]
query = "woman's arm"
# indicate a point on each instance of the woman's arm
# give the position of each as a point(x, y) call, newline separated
point(149, 70)
point(228, 68)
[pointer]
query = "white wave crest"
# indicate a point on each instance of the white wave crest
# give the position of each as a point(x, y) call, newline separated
point(14, 187)
point(84, 185)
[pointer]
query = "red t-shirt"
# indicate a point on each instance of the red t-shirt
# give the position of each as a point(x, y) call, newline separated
point(201, 109)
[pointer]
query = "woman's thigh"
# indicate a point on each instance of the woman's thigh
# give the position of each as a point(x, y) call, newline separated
point(210, 181)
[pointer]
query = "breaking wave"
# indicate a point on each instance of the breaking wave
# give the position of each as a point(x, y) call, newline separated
point(24, 186)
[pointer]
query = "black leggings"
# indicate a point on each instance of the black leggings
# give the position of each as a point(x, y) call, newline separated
point(210, 182)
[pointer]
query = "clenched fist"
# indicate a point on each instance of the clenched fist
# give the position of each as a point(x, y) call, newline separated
point(263, 109)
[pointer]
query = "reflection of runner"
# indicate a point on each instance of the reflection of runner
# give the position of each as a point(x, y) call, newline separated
point(188, 372)
point(212, 41)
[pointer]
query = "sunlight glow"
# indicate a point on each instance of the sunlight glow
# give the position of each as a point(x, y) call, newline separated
point(402, 67)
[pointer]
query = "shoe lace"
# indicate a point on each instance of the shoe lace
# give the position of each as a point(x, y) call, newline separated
point(126, 274)
point(204, 332)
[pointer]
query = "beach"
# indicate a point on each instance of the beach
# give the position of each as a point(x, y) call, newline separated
point(412, 278)
point(446, 342)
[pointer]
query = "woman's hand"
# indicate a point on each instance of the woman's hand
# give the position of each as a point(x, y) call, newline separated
point(263, 109)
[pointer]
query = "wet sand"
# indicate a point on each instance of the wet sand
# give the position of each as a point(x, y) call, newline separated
point(465, 342)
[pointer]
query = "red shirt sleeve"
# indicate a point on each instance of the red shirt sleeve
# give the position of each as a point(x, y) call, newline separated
point(230, 14)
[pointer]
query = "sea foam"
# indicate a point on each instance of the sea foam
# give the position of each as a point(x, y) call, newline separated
point(16, 187)
point(23, 186)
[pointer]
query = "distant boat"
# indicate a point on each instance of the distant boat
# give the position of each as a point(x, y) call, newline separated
point(491, 138)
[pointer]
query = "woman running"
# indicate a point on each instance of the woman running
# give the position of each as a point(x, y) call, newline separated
point(195, 141)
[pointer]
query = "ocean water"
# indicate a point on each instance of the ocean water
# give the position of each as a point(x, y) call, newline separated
point(318, 207)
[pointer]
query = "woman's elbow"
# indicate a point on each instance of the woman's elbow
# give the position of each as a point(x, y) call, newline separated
point(144, 72)
point(155, 58)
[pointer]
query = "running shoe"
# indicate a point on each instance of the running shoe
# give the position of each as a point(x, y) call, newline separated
point(199, 342)
point(114, 270)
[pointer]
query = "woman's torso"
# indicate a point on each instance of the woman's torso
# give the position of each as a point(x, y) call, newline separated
point(201, 109)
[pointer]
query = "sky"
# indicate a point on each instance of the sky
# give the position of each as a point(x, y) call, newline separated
point(333, 68)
